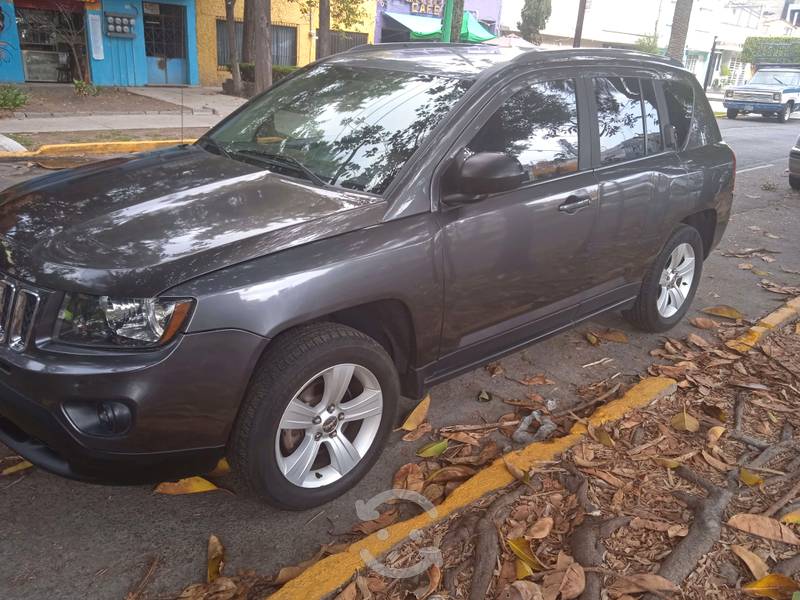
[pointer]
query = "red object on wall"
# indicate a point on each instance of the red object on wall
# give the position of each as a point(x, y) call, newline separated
point(69, 5)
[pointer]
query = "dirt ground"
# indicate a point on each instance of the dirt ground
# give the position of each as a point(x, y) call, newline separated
point(32, 141)
point(61, 98)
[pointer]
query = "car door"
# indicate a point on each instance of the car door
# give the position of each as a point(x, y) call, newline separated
point(636, 168)
point(516, 263)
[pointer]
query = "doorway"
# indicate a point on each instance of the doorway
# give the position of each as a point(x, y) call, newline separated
point(165, 43)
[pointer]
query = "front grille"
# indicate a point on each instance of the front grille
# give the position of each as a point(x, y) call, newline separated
point(18, 307)
point(753, 96)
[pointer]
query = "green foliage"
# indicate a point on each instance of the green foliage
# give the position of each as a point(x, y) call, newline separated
point(534, 18)
point(771, 50)
point(248, 71)
point(84, 88)
point(725, 71)
point(12, 97)
point(344, 13)
point(648, 44)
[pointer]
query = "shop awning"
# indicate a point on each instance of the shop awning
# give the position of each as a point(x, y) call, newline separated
point(430, 28)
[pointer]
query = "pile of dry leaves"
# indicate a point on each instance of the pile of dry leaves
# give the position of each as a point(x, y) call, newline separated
point(694, 496)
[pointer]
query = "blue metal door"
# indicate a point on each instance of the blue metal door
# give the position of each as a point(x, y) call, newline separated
point(165, 43)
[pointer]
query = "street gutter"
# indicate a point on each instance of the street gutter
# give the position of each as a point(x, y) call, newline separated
point(103, 148)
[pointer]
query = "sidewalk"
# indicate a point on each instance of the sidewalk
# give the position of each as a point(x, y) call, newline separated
point(197, 99)
point(106, 122)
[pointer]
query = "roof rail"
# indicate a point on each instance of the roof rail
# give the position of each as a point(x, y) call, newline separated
point(610, 52)
point(403, 45)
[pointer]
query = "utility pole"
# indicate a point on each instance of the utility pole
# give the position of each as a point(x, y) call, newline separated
point(680, 29)
point(576, 43)
point(712, 58)
point(447, 21)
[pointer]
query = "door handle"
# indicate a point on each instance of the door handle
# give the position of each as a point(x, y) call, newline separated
point(574, 203)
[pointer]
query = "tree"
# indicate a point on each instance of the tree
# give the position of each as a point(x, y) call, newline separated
point(680, 29)
point(65, 30)
point(233, 54)
point(648, 44)
point(534, 18)
point(263, 45)
point(458, 17)
point(324, 29)
point(345, 13)
point(248, 31)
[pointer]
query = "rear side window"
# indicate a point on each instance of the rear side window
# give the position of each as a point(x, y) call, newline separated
point(539, 127)
point(680, 102)
point(620, 119)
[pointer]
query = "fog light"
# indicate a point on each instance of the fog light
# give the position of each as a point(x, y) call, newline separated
point(109, 417)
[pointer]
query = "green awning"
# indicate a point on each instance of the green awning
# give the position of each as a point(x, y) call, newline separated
point(430, 28)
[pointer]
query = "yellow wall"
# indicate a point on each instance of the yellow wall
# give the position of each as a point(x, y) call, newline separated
point(284, 12)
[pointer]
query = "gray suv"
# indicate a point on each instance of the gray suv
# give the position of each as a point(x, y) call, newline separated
point(376, 223)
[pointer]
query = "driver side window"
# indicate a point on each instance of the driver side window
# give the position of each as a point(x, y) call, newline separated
point(539, 127)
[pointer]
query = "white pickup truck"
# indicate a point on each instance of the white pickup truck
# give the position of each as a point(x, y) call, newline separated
point(773, 91)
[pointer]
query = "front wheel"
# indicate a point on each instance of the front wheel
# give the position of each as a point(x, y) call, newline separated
point(318, 412)
point(670, 284)
point(786, 113)
point(732, 113)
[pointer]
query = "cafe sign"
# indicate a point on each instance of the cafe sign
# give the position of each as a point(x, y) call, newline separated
point(426, 7)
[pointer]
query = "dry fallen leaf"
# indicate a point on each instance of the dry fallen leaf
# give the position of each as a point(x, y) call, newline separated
point(683, 421)
point(495, 369)
point(599, 434)
point(774, 585)
point(714, 411)
point(215, 558)
point(384, 520)
point(451, 473)
point(592, 338)
point(713, 434)
point(222, 468)
point(540, 379)
point(747, 477)
point(522, 549)
point(753, 561)
point(20, 466)
point(190, 485)
point(434, 579)
point(568, 579)
point(697, 340)
point(725, 311)
point(417, 415)
point(433, 449)
point(515, 471)
point(473, 438)
point(642, 582)
point(765, 527)
point(715, 462)
point(541, 529)
point(348, 593)
point(521, 590)
point(792, 517)
point(409, 477)
point(612, 335)
point(703, 323)
point(423, 429)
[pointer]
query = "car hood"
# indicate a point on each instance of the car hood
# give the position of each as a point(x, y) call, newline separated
point(137, 226)
point(758, 87)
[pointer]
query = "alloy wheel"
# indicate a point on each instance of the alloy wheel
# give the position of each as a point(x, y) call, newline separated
point(676, 280)
point(329, 425)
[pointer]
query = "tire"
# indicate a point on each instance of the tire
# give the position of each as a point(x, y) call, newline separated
point(291, 366)
point(645, 313)
point(794, 182)
point(732, 113)
point(785, 114)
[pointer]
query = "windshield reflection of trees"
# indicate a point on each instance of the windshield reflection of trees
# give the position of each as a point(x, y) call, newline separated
point(352, 127)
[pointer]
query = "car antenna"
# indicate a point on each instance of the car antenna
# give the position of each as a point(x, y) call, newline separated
point(181, 114)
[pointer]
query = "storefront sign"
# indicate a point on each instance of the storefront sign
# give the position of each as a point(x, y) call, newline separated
point(426, 7)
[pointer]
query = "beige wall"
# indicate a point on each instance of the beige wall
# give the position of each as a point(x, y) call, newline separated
point(284, 12)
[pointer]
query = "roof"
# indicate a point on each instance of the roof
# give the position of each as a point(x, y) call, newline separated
point(469, 60)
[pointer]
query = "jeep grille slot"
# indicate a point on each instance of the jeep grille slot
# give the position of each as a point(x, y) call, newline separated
point(6, 300)
point(20, 325)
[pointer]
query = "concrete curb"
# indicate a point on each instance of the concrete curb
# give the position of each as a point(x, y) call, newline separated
point(326, 576)
point(94, 148)
point(749, 339)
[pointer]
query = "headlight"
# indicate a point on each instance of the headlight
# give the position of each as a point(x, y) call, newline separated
point(120, 322)
point(729, 93)
point(776, 96)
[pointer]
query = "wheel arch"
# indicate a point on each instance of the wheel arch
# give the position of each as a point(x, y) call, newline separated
point(705, 222)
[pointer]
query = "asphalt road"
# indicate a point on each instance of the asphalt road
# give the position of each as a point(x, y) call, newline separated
point(70, 540)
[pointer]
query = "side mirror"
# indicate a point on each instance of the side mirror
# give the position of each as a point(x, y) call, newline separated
point(485, 173)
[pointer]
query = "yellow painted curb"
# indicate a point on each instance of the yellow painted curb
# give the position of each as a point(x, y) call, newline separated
point(95, 148)
point(750, 338)
point(324, 577)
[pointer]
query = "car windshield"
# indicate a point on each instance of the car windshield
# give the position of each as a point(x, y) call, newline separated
point(777, 77)
point(352, 127)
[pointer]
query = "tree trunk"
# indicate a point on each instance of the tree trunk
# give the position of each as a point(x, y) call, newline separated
point(233, 58)
point(680, 29)
point(324, 29)
point(248, 31)
point(458, 17)
point(263, 45)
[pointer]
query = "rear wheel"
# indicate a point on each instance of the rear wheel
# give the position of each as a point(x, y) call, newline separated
point(670, 284)
point(732, 113)
point(786, 113)
point(794, 182)
point(316, 417)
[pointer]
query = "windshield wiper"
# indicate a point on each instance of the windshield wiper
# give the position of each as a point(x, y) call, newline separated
point(778, 80)
point(283, 160)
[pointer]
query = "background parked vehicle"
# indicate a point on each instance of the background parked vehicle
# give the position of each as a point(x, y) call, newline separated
point(774, 90)
point(372, 225)
point(794, 166)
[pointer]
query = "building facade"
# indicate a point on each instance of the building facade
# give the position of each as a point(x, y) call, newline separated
point(390, 29)
point(135, 42)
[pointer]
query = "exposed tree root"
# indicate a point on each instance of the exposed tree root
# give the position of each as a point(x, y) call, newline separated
point(789, 567)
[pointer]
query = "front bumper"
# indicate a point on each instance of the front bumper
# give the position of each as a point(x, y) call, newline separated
point(753, 106)
point(183, 399)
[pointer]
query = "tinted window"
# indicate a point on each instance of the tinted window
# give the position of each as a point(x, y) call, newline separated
point(680, 100)
point(619, 116)
point(652, 122)
point(351, 127)
point(539, 127)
